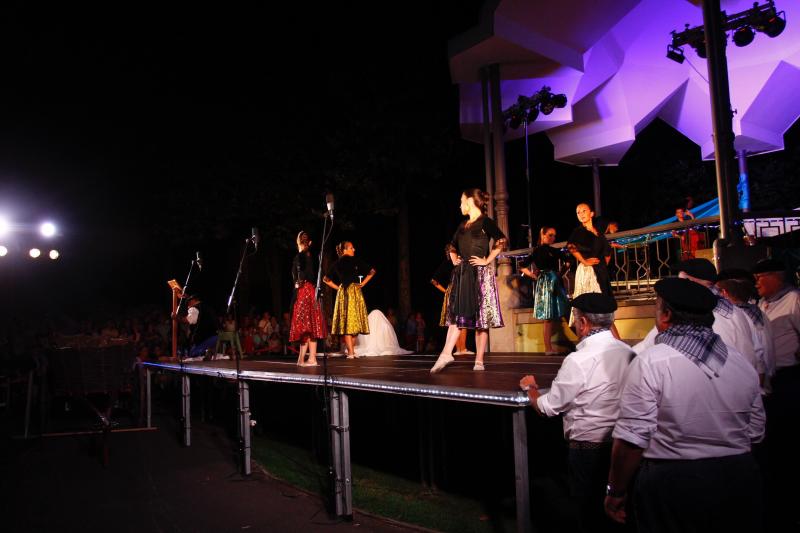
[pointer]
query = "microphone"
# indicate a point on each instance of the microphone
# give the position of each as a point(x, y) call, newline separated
point(255, 237)
point(198, 260)
point(329, 204)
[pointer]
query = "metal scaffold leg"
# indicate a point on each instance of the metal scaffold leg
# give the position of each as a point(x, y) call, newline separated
point(340, 444)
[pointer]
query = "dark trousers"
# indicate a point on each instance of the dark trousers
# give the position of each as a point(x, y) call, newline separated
point(588, 474)
point(720, 494)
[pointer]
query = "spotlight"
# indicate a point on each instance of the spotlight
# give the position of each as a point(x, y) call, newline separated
point(700, 49)
point(47, 229)
point(676, 54)
point(35, 252)
point(3, 251)
point(774, 25)
point(54, 254)
point(5, 227)
point(743, 36)
point(533, 114)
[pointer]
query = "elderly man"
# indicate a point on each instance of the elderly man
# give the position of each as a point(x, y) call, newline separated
point(689, 412)
point(780, 302)
point(730, 322)
point(586, 390)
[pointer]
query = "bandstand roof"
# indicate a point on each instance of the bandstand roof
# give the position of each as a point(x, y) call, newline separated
point(609, 58)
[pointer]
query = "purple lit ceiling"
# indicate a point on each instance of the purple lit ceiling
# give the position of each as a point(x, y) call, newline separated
point(609, 58)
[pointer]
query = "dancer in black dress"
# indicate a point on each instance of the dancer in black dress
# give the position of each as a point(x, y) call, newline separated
point(473, 302)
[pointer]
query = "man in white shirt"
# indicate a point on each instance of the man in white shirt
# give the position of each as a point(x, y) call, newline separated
point(780, 302)
point(738, 287)
point(586, 390)
point(730, 322)
point(690, 410)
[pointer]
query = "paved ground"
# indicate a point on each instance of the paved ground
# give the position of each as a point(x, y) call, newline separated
point(152, 484)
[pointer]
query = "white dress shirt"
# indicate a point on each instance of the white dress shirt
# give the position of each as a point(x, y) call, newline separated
point(673, 410)
point(734, 331)
point(587, 388)
point(783, 314)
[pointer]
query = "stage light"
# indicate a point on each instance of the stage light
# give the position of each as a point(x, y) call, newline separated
point(35, 252)
point(47, 229)
point(774, 25)
point(5, 227)
point(54, 254)
point(700, 49)
point(3, 251)
point(743, 36)
point(676, 54)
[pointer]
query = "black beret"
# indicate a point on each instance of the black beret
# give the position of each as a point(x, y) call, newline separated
point(735, 273)
point(697, 268)
point(769, 265)
point(595, 302)
point(686, 295)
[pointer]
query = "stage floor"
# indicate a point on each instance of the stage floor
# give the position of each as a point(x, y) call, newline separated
point(401, 374)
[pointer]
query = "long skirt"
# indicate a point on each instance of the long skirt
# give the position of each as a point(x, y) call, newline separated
point(550, 300)
point(473, 301)
point(307, 319)
point(585, 281)
point(443, 315)
point(350, 311)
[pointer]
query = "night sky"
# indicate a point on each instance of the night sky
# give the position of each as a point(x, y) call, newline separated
point(149, 132)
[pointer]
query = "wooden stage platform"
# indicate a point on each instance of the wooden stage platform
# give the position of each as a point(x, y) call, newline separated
point(403, 375)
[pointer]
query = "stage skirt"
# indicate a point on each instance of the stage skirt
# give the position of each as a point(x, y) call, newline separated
point(307, 319)
point(550, 300)
point(473, 301)
point(443, 315)
point(350, 311)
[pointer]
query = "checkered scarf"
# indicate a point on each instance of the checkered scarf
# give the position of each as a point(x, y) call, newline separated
point(753, 312)
point(594, 331)
point(700, 344)
point(724, 307)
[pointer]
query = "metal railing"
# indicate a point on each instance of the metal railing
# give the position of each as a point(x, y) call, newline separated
point(643, 256)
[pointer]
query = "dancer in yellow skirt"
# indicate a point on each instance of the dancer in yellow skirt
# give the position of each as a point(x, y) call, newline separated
point(350, 311)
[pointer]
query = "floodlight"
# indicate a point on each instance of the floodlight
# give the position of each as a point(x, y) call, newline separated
point(5, 227)
point(675, 53)
point(47, 229)
point(54, 254)
point(35, 252)
point(743, 36)
point(3, 251)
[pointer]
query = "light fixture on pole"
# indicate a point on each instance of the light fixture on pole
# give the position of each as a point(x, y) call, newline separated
point(525, 111)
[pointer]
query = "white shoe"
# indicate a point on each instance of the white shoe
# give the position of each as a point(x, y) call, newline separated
point(442, 362)
point(478, 366)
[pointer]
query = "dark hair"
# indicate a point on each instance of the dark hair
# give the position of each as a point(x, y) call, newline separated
point(340, 248)
point(740, 289)
point(542, 231)
point(685, 317)
point(480, 198)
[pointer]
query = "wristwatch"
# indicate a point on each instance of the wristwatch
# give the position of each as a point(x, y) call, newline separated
point(614, 493)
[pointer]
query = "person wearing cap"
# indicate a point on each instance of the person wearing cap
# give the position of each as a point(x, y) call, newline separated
point(780, 302)
point(690, 411)
point(730, 322)
point(738, 287)
point(586, 390)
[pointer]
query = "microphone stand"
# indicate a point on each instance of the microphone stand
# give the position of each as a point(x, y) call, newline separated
point(185, 286)
point(243, 409)
point(326, 395)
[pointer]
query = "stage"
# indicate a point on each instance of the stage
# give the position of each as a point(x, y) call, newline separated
point(402, 375)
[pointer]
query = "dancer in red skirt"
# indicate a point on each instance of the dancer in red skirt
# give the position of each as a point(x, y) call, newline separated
point(307, 322)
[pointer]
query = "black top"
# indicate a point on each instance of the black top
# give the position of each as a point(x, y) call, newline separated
point(589, 244)
point(347, 269)
point(303, 268)
point(474, 239)
point(442, 273)
point(545, 257)
point(206, 325)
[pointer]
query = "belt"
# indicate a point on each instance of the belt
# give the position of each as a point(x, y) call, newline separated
point(586, 445)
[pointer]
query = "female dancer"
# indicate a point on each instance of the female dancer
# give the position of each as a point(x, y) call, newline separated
point(307, 324)
point(550, 300)
point(350, 311)
point(445, 272)
point(473, 301)
point(588, 245)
